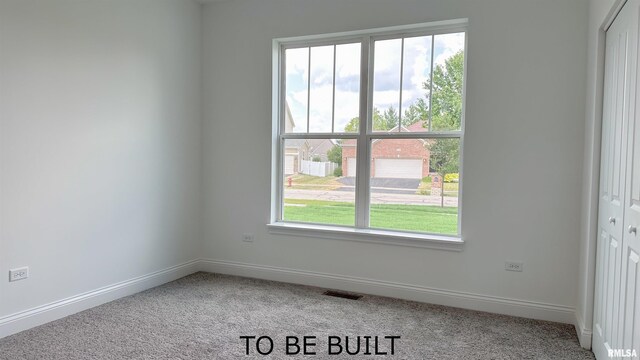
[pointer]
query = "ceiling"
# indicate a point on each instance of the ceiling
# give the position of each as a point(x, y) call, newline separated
point(211, 1)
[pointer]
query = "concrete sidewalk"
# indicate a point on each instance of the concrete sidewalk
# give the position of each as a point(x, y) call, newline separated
point(376, 198)
point(384, 185)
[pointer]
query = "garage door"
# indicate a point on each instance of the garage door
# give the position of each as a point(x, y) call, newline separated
point(351, 167)
point(288, 164)
point(398, 168)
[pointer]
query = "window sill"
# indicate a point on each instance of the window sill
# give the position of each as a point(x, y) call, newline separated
point(387, 237)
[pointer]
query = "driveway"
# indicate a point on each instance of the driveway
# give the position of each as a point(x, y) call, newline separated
point(384, 185)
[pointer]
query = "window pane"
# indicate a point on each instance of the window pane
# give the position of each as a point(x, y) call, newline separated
point(407, 188)
point(347, 105)
point(319, 181)
point(416, 72)
point(297, 76)
point(321, 88)
point(386, 84)
point(448, 70)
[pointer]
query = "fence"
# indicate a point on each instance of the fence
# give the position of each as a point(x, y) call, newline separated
point(317, 168)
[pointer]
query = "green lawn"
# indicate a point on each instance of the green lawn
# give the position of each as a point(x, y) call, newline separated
point(431, 219)
point(301, 181)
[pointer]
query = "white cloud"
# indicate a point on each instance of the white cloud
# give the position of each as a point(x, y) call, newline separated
point(347, 60)
point(417, 68)
point(320, 109)
point(297, 61)
point(385, 99)
point(387, 55)
point(387, 65)
point(447, 45)
point(346, 108)
point(321, 65)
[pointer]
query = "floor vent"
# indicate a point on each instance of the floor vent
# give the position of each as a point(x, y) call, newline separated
point(343, 295)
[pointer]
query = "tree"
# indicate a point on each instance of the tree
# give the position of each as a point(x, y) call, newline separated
point(446, 114)
point(445, 156)
point(446, 94)
point(389, 120)
point(335, 154)
point(352, 125)
point(445, 97)
point(419, 111)
point(446, 102)
point(381, 121)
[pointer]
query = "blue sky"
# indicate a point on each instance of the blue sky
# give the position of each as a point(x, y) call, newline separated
point(416, 69)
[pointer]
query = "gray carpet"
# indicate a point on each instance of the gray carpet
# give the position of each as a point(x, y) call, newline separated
point(202, 316)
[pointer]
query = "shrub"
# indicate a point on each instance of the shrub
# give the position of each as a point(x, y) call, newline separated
point(316, 159)
point(452, 177)
point(335, 154)
point(337, 172)
point(426, 179)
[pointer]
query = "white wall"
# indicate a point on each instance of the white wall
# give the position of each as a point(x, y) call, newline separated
point(599, 10)
point(101, 144)
point(523, 150)
point(100, 150)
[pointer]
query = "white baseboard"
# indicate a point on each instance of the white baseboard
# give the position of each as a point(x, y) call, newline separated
point(24, 320)
point(27, 319)
point(584, 334)
point(493, 304)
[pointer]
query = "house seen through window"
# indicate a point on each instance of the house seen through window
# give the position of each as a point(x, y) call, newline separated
point(370, 131)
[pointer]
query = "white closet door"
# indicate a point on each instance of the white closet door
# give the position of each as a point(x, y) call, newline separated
point(618, 106)
point(629, 327)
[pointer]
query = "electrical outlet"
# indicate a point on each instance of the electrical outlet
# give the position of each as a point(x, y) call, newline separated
point(513, 266)
point(18, 274)
point(247, 237)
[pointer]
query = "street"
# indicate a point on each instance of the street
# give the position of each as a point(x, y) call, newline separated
point(376, 198)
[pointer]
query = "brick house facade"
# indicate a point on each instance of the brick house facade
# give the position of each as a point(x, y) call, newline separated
point(403, 155)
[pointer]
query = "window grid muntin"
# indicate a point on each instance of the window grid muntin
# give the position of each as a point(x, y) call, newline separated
point(308, 107)
point(401, 88)
point(368, 40)
point(365, 135)
point(333, 93)
point(423, 136)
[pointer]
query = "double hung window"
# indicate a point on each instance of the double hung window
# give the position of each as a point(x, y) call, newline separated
point(369, 128)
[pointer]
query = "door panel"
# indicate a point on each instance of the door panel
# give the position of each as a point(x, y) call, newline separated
point(599, 301)
point(630, 301)
point(613, 291)
point(616, 299)
point(620, 117)
point(288, 165)
point(631, 320)
point(607, 115)
point(351, 167)
point(398, 168)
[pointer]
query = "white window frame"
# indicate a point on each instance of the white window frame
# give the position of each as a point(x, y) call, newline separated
point(361, 230)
